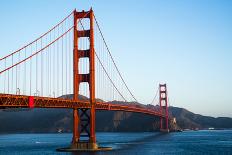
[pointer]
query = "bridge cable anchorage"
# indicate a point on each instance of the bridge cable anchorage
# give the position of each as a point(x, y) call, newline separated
point(113, 59)
point(105, 70)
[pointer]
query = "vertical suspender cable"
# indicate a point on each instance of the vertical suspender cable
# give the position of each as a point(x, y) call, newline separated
point(70, 57)
point(30, 69)
point(54, 71)
point(36, 70)
point(41, 68)
point(57, 64)
point(46, 67)
point(113, 60)
point(25, 72)
point(16, 78)
point(5, 77)
point(66, 61)
point(8, 79)
point(50, 64)
point(62, 60)
point(19, 72)
point(12, 75)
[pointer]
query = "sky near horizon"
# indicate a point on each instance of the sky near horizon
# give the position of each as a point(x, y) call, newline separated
point(186, 44)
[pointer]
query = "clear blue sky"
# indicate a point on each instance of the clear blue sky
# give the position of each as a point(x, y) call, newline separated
point(187, 44)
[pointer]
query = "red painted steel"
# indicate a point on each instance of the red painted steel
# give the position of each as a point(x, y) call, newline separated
point(92, 80)
point(89, 125)
point(76, 135)
point(163, 101)
point(31, 101)
point(22, 101)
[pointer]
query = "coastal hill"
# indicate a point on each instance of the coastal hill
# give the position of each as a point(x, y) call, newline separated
point(54, 120)
point(189, 120)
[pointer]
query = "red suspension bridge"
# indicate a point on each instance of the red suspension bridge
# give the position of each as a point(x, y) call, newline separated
point(72, 58)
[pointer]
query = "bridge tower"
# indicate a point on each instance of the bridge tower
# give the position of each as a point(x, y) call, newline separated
point(84, 137)
point(163, 101)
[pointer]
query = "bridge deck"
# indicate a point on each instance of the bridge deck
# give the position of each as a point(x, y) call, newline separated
point(22, 101)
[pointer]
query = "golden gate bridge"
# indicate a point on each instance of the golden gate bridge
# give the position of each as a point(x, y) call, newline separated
point(72, 58)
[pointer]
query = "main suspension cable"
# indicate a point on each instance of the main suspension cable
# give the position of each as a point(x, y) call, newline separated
point(104, 68)
point(113, 59)
point(37, 38)
point(155, 96)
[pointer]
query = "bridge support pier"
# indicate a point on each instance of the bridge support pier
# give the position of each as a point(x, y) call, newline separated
point(162, 128)
point(76, 135)
point(85, 146)
point(83, 139)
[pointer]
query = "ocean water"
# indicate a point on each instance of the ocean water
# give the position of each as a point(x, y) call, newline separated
point(188, 142)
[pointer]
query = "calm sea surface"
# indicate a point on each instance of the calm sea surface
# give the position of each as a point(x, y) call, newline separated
point(188, 142)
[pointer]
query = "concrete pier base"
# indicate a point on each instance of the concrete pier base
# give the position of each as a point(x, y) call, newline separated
point(84, 146)
point(164, 130)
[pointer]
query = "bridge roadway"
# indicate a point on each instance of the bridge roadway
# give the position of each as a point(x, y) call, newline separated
point(22, 101)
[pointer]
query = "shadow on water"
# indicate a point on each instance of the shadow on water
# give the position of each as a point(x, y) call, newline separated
point(120, 146)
